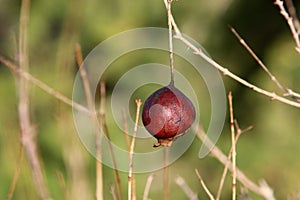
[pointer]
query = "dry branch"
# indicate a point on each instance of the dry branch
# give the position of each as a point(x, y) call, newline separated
point(62, 184)
point(290, 22)
point(113, 192)
point(166, 188)
point(106, 132)
point(187, 190)
point(211, 197)
point(286, 91)
point(147, 187)
point(262, 189)
point(94, 118)
point(131, 194)
point(28, 77)
point(224, 70)
point(233, 146)
point(292, 11)
point(170, 40)
point(238, 134)
point(28, 131)
point(16, 173)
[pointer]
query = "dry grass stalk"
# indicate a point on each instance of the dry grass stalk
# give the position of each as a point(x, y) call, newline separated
point(106, 132)
point(211, 197)
point(187, 190)
point(113, 192)
point(28, 77)
point(166, 188)
point(239, 132)
point(28, 131)
point(94, 118)
point(262, 189)
point(233, 146)
point(62, 183)
point(131, 192)
point(147, 187)
point(125, 127)
point(93, 114)
point(16, 173)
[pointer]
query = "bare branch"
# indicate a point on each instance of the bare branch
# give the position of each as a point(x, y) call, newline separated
point(239, 132)
point(290, 22)
point(187, 190)
point(291, 9)
point(131, 195)
point(147, 187)
point(125, 127)
point(286, 92)
point(204, 186)
point(62, 184)
point(106, 132)
point(28, 131)
point(28, 77)
point(166, 188)
point(225, 71)
point(242, 41)
point(233, 146)
point(94, 118)
point(170, 40)
point(113, 192)
point(16, 174)
point(264, 190)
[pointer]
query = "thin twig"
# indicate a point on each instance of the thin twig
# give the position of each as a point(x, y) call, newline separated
point(186, 189)
point(203, 185)
point(113, 192)
point(171, 18)
point(62, 184)
point(233, 145)
point(127, 138)
point(16, 174)
point(246, 46)
point(263, 190)
point(106, 132)
point(28, 131)
point(147, 187)
point(239, 132)
point(292, 11)
point(166, 150)
point(170, 40)
point(94, 118)
point(28, 77)
point(166, 174)
point(286, 91)
point(225, 71)
point(125, 127)
point(131, 195)
point(289, 20)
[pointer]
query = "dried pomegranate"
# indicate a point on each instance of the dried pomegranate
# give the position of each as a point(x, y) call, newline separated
point(167, 114)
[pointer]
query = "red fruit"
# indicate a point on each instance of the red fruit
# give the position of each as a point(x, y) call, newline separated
point(167, 114)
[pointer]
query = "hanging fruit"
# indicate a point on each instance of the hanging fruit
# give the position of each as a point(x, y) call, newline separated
point(167, 114)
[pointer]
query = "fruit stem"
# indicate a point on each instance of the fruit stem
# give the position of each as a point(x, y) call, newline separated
point(170, 42)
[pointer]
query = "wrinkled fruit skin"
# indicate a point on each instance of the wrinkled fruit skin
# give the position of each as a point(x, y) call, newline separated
point(167, 114)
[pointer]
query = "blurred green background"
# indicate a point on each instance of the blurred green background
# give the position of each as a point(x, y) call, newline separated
point(270, 151)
